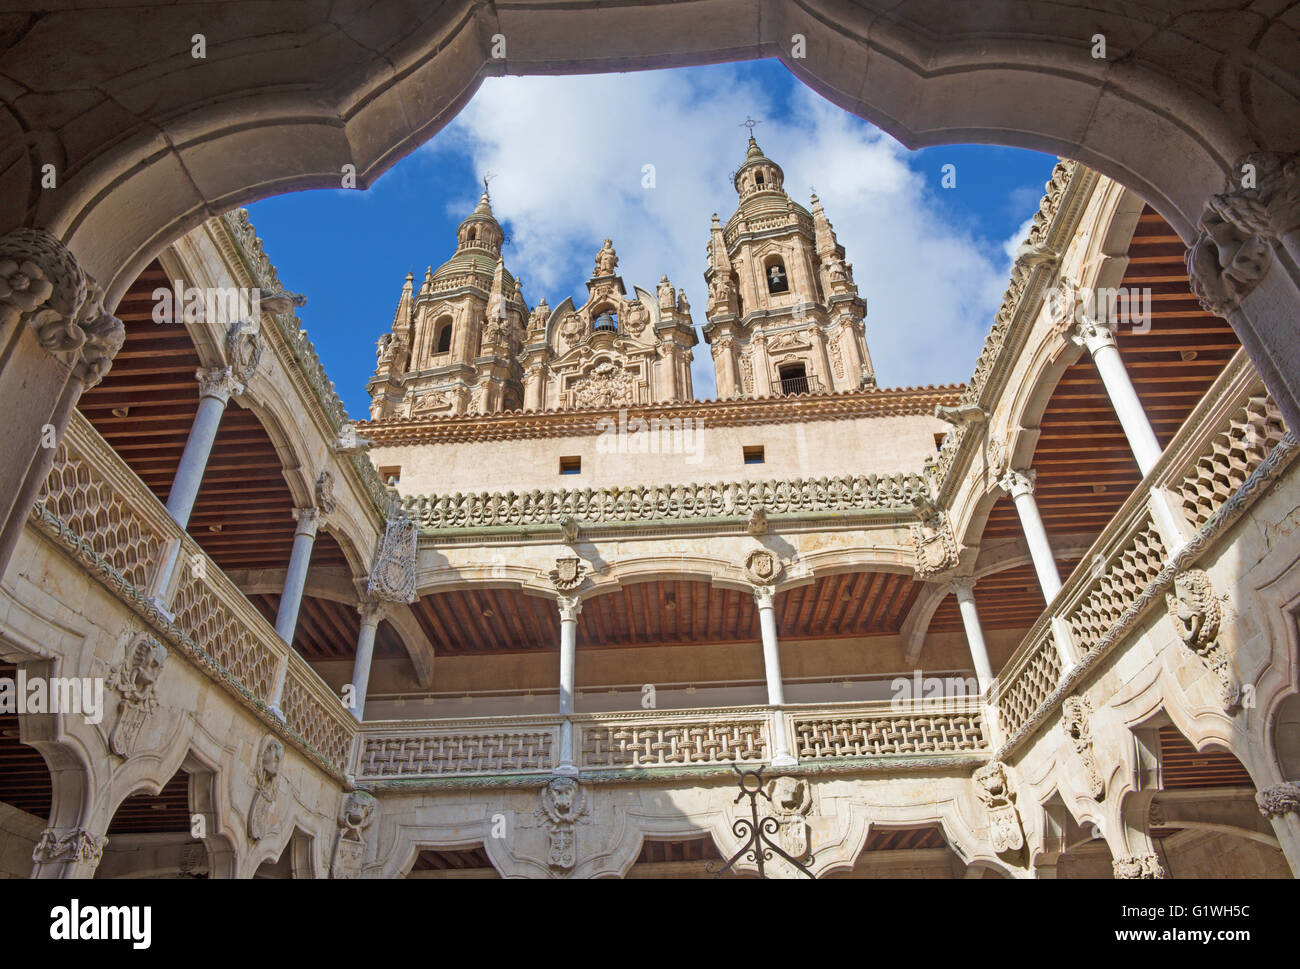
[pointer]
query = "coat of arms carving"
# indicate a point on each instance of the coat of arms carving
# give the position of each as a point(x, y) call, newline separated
point(763, 567)
point(568, 573)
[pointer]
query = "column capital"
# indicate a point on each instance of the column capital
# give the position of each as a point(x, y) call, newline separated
point(309, 520)
point(962, 586)
point(218, 382)
point(373, 611)
point(763, 595)
point(569, 606)
point(1093, 335)
point(1018, 482)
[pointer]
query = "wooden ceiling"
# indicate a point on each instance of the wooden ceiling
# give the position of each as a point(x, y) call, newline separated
point(1011, 599)
point(905, 839)
point(243, 516)
point(665, 612)
point(1181, 767)
point(451, 859)
point(656, 852)
point(328, 630)
point(167, 812)
point(24, 778)
point(1085, 467)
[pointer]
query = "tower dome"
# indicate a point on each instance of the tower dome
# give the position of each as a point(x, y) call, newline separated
point(758, 173)
point(478, 243)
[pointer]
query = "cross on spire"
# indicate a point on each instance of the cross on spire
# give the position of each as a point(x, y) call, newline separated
point(749, 123)
point(488, 176)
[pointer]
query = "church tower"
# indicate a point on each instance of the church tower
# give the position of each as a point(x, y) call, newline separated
point(454, 342)
point(784, 315)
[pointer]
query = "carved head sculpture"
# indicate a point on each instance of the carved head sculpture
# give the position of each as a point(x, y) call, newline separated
point(562, 799)
point(146, 661)
point(356, 813)
point(270, 762)
point(790, 795)
point(991, 784)
point(1075, 712)
point(1194, 609)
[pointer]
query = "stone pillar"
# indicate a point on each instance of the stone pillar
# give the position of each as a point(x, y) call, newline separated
point(724, 366)
point(1099, 339)
point(964, 590)
point(764, 596)
point(295, 579)
point(216, 385)
point(1020, 486)
point(372, 613)
point(761, 363)
point(570, 607)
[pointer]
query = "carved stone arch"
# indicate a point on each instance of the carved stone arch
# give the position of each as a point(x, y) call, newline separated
point(297, 832)
point(209, 798)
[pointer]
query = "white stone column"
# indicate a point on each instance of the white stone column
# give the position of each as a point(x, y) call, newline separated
point(216, 385)
point(1020, 486)
point(964, 590)
point(1099, 339)
point(372, 613)
point(764, 596)
point(295, 579)
point(570, 607)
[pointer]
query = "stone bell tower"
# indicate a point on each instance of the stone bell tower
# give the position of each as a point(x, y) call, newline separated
point(454, 341)
point(784, 315)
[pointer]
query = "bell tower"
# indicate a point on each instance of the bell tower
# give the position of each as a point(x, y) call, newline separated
point(784, 316)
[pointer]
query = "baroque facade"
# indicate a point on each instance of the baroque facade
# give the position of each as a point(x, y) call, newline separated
point(1042, 624)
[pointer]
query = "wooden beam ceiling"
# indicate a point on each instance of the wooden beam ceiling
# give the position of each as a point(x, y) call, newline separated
point(327, 630)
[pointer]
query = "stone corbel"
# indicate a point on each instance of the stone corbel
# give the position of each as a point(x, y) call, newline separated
point(43, 286)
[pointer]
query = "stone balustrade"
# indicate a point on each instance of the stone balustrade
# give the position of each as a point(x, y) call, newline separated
point(674, 503)
point(96, 508)
point(665, 740)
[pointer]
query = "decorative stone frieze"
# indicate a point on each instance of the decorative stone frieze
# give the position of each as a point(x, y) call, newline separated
point(568, 574)
point(1138, 866)
point(1280, 799)
point(564, 802)
point(76, 845)
point(136, 679)
point(266, 782)
point(1195, 612)
point(763, 568)
point(43, 286)
point(993, 788)
point(1076, 721)
point(355, 815)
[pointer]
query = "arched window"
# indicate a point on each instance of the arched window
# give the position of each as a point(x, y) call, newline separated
point(606, 318)
point(472, 234)
point(775, 274)
point(443, 343)
point(758, 179)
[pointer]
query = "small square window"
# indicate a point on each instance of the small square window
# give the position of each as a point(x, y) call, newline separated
point(391, 475)
point(571, 465)
point(753, 454)
point(938, 440)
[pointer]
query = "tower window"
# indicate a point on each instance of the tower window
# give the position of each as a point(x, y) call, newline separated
point(571, 465)
point(444, 338)
point(753, 453)
point(758, 179)
point(777, 280)
point(391, 476)
point(794, 379)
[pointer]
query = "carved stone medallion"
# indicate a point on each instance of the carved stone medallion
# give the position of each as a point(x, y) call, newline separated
point(762, 567)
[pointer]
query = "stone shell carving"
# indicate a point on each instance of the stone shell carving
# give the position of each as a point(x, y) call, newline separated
point(1196, 614)
point(763, 568)
point(568, 574)
point(392, 577)
point(266, 780)
point(993, 788)
point(564, 802)
point(356, 814)
point(1076, 721)
point(136, 679)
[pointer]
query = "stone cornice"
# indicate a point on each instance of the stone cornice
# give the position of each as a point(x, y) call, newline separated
point(520, 425)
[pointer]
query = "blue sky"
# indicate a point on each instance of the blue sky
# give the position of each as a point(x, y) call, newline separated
point(568, 155)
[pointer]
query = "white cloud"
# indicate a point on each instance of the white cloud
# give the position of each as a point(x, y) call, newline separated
point(569, 155)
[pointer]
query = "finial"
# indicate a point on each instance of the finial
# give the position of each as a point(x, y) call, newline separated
point(749, 123)
point(487, 176)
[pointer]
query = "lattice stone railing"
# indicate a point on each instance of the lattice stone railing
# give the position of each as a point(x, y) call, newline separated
point(93, 497)
point(1235, 451)
point(87, 502)
point(1030, 681)
point(646, 503)
point(1128, 573)
point(418, 750)
point(890, 732)
point(675, 742)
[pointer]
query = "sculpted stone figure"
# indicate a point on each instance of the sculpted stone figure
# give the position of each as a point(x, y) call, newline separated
point(136, 679)
point(563, 803)
point(993, 788)
point(791, 801)
point(266, 778)
point(606, 260)
point(1195, 612)
point(355, 815)
point(1076, 717)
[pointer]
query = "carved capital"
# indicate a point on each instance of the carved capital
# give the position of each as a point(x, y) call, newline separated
point(1138, 866)
point(309, 520)
point(43, 286)
point(373, 611)
point(1279, 799)
point(218, 382)
point(962, 586)
point(570, 607)
point(1017, 483)
point(1093, 335)
point(72, 845)
point(764, 595)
